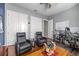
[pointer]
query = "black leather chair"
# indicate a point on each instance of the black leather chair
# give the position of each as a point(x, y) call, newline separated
point(22, 45)
point(77, 43)
point(39, 39)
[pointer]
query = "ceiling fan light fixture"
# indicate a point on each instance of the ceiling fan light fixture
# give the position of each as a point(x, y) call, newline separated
point(48, 5)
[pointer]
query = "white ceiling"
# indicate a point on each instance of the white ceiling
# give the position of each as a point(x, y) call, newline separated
point(55, 8)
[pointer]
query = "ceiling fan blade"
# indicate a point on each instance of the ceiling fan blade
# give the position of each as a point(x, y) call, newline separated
point(47, 5)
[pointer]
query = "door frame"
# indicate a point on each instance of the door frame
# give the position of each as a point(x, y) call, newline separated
point(43, 26)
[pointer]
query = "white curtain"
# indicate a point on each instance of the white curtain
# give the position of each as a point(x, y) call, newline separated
point(36, 25)
point(15, 22)
point(50, 28)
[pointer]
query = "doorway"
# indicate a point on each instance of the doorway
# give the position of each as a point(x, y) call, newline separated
point(46, 28)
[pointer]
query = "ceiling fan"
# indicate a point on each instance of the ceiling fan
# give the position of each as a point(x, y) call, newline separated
point(47, 5)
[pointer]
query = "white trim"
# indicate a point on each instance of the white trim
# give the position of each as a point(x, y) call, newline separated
point(43, 25)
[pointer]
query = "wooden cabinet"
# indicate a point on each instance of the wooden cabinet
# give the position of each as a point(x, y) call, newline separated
point(11, 50)
point(7, 50)
point(1, 51)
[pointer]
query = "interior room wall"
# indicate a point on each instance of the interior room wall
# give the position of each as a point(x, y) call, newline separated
point(12, 6)
point(20, 22)
point(71, 15)
point(2, 19)
point(35, 26)
point(14, 22)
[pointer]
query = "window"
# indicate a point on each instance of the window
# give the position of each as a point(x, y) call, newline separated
point(36, 25)
point(61, 25)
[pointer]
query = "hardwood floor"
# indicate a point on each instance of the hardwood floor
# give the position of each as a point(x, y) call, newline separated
point(34, 49)
point(38, 52)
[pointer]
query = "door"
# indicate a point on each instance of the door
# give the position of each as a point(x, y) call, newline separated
point(46, 28)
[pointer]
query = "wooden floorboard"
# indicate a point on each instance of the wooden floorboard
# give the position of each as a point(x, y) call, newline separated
point(38, 52)
point(34, 49)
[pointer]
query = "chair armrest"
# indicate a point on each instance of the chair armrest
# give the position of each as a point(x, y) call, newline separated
point(28, 41)
point(44, 37)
